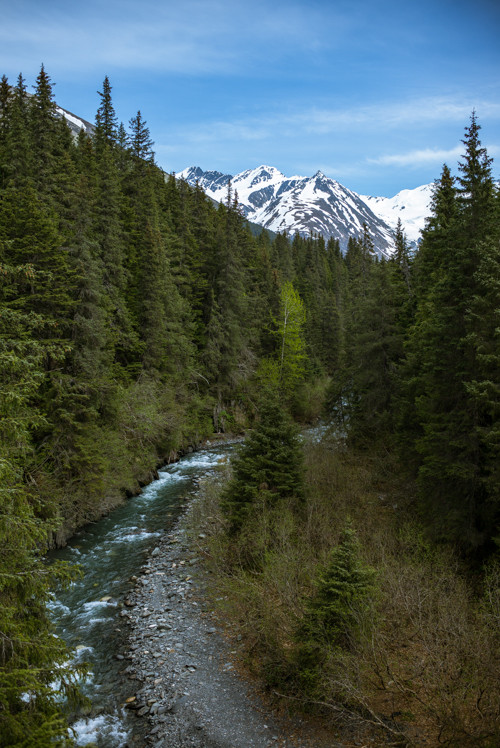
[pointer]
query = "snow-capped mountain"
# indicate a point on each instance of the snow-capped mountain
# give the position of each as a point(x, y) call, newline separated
point(319, 204)
point(75, 123)
point(411, 206)
point(296, 204)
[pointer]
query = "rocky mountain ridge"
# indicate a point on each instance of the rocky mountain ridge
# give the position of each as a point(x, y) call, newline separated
point(303, 205)
point(75, 123)
point(316, 204)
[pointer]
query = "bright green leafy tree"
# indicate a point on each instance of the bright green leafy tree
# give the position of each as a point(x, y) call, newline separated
point(292, 347)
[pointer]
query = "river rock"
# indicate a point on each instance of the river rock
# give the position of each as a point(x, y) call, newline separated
point(179, 704)
point(190, 695)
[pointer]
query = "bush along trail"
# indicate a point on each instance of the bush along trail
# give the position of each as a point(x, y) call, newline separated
point(185, 688)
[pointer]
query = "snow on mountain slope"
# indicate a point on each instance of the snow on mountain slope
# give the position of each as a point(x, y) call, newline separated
point(75, 123)
point(297, 204)
point(412, 206)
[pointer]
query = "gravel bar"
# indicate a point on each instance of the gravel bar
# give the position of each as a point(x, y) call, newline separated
point(184, 687)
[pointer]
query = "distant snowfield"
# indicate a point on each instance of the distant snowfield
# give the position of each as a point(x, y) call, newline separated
point(319, 204)
point(411, 206)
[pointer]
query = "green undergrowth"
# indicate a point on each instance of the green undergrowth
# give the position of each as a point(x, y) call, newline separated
point(348, 612)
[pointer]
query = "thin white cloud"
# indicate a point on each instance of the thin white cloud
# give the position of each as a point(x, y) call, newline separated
point(394, 115)
point(230, 132)
point(372, 121)
point(195, 36)
point(418, 157)
point(88, 47)
point(425, 156)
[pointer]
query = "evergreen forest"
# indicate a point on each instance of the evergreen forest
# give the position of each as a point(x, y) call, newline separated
point(137, 318)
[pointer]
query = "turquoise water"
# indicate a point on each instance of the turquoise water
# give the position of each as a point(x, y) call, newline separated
point(110, 551)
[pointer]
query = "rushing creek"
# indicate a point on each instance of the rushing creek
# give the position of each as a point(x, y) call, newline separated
point(109, 552)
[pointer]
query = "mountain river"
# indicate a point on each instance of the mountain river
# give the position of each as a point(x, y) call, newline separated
point(109, 552)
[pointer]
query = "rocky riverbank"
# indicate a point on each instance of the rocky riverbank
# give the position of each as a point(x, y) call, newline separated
point(184, 688)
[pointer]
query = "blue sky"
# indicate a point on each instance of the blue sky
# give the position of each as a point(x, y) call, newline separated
point(373, 93)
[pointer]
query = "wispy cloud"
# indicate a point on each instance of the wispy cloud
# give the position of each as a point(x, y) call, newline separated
point(192, 37)
point(418, 157)
point(348, 121)
point(426, 156)
point(402, 113)
point(229, 131)
point(166, 47)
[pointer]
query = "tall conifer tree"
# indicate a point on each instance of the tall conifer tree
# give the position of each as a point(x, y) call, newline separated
point(442, 361)
point(106, 123)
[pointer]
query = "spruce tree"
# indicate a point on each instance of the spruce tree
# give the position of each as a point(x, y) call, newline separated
point(343, 392)
point(484, 389)
point(333, 614)
point(476, 189)
point(17, 161)
point(31, 657)
point(228, 356)
point(140, 143)
point(282, 257)
point(30, 231)
point(106, 123)
point(270, 463)
point(5, 103)
point(162, 316)
point(43, 127)
point(401, 257)
point(109, 231)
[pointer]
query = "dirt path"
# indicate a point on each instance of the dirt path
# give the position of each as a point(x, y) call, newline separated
point(184, 689)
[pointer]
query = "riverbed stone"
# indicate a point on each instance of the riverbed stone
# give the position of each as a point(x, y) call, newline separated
point(191, 694)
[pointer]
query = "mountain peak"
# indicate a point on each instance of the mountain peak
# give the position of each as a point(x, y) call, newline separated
point(268, 169)
point(315, 204)
point(259, 175)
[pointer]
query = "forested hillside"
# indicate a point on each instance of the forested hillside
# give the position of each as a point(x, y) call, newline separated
point(136, 318)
